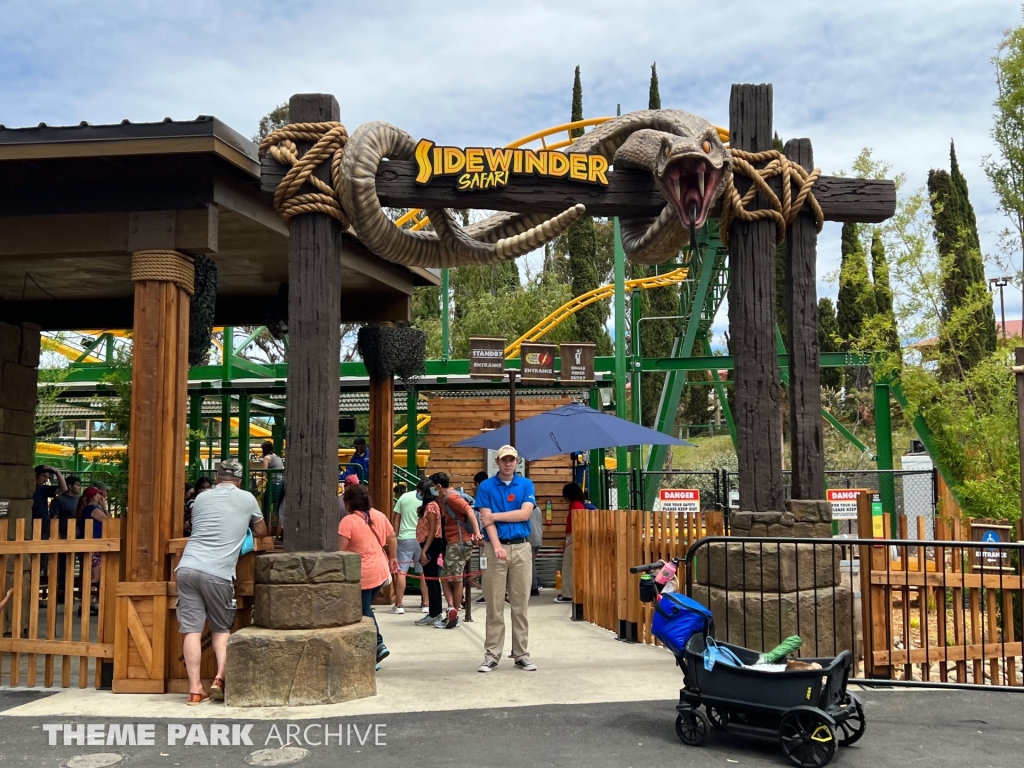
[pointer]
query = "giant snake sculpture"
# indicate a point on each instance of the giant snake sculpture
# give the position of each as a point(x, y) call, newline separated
point(682, 151)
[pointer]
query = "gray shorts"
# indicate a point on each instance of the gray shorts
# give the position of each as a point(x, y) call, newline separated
point(203, 597)
point(409, 555)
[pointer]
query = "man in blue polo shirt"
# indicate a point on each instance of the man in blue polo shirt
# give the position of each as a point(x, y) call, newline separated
point(505, 502)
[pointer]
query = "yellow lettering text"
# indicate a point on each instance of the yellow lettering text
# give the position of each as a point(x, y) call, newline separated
point(537, 162)
point(474, 160)
point(438, 160)
point(454, 160)
point(498, 159)
point(517, 161)
point(578, 167)
point(558, 164)
point(598, 167)
point(463, 182)
point(423, 161)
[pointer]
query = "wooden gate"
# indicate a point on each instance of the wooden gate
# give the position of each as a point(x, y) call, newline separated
point(43, 620)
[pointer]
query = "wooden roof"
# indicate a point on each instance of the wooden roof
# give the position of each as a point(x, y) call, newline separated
point(75, 201)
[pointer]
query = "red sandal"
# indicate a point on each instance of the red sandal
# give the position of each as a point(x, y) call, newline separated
point(195, 699)
point(217, 689)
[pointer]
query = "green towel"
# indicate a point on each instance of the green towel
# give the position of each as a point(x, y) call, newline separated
point(782, 650)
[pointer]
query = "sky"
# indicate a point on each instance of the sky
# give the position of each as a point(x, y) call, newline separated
point(903, 78)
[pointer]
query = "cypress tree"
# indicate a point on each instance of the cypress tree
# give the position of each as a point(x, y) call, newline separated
point(581, 248)
point(964, 339)
point(883, 292)
point(828, 333)
point(656, 336)
point(856, 298)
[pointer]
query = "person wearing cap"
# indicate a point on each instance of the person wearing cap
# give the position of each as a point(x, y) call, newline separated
point(506, 502)
point(342, 509)
point(360, 461)
point(206, 572)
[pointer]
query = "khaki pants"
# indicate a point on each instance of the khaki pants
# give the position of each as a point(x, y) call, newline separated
point(513, 575)
point(567, 569)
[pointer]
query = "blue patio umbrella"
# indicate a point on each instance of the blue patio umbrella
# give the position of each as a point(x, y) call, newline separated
point(570, 429)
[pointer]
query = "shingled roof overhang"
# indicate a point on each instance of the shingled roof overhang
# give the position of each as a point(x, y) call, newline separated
point(75, 201)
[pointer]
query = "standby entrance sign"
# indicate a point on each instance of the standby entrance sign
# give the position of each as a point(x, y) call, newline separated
point(680, 499)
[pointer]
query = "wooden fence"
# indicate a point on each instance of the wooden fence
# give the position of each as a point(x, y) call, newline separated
point(60, 632)
point(607, 543)
point(932, 616)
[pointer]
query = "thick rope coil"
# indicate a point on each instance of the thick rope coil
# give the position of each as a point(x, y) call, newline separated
point(329, 140)
point(783, 211)
point(164, 266)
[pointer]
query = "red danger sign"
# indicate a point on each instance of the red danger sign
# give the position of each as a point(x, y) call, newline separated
point(680, 499)
point(844, 502)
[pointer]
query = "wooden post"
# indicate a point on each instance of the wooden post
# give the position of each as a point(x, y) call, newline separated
point(314, 340)
point(382, 443)
point(752, 318)
point(805, 427)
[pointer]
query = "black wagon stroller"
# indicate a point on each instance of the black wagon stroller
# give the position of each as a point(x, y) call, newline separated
point(808, 711)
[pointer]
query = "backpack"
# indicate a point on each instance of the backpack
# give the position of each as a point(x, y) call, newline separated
point(461, 524)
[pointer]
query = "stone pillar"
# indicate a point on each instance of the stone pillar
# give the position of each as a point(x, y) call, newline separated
point(309, 643)
point(19, 361)
point(761, 592)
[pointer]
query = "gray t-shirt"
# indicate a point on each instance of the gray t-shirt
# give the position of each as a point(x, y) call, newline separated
point(220, 517)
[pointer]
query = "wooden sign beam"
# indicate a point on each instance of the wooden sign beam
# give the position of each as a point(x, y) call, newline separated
point(630, 194)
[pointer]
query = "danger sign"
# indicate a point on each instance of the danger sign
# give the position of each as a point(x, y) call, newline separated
point(844, 502)
point(680, 499)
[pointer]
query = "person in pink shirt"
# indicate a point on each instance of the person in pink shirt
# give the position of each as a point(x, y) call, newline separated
point(369, 533)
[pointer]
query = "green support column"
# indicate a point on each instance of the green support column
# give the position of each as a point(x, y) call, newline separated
point(412, 438)
point(244, 400)
point(195, 425)
point(883, 446)
point(596, 460)
point(445, 347)
point(227, 353)
point(635, 400)
point(225, 427)
point(720, 392)
point(620, 360)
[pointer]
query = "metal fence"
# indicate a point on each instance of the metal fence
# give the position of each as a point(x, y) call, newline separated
point(913, 612)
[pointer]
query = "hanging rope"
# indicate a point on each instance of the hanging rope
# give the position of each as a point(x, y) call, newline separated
point(783, 211)
point(164, 266)
point(329, 140)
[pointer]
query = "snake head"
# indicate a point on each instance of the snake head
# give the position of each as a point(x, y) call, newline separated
point(692, 172)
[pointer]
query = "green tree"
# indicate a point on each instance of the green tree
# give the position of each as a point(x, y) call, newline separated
point(828, 341)
point(270, 122)
point(968, 330)
point(856, 301)
point(1005, 170)
point(696, 402)
point(883, 292)
point(654, 93)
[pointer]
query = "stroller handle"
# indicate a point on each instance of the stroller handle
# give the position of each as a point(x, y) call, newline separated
point(647, 568)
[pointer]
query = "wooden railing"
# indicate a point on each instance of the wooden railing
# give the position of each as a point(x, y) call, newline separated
point(60, 632)
point(605, 545)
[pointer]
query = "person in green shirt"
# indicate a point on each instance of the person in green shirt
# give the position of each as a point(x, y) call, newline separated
point(404, 519)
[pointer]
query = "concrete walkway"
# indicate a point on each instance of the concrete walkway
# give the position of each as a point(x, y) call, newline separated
point(431, 669)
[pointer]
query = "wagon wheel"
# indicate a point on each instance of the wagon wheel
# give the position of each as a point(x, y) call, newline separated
point(852, 728)
point(692, 727)
point(807, 738)
point(719, 718)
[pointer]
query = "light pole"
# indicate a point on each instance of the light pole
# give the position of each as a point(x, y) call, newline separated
point(1001, 282)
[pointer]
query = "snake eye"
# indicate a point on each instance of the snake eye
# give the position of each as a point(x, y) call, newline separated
point(706, 146)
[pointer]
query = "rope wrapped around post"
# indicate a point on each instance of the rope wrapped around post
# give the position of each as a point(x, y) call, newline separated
point(783, 211)
point(164, 266)
point(329, 140)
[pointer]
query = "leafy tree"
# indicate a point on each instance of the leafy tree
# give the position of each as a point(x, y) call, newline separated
point(1005, 170)
point(828, 341)
point(883, 292)
point(696, 402)
point(969, 325)
point(856, 298)
point(654, 93)
point(270, 122)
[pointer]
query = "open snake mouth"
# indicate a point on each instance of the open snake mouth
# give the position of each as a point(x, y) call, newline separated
point(689, 184)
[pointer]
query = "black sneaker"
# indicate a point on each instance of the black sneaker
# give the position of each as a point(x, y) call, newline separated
point(481, 599)
point(525, 664)
point(487, 666)
point(382, 652)
point(563, 599)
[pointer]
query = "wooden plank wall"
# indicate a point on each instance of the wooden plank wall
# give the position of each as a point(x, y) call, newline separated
point(456, 418)
point(75, 635)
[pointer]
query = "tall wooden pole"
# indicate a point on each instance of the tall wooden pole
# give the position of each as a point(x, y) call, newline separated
point(314, 341)
point(752, 317)
point(382, 443)
point(806, 432)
